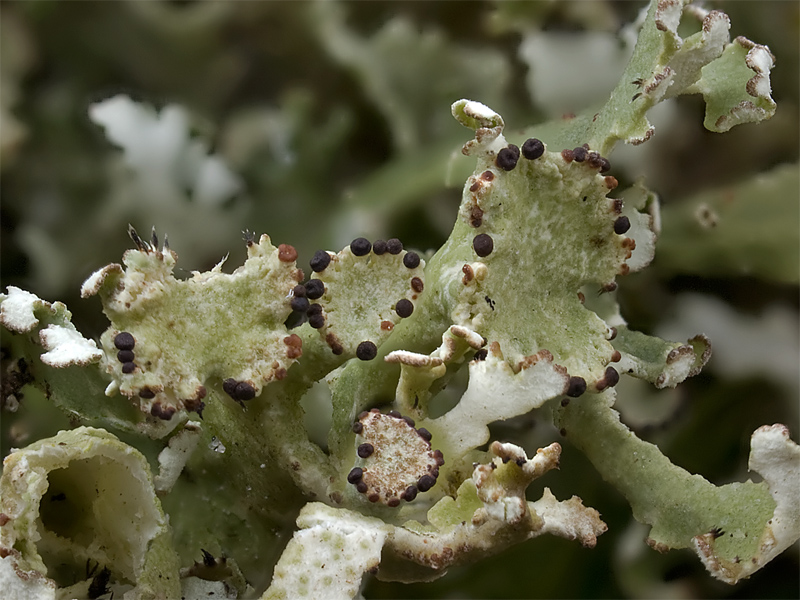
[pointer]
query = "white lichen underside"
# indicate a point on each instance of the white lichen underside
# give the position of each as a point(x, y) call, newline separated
point(328, 556)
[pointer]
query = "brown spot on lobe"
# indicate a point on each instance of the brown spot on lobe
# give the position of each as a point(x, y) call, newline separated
point(468, 274)
point(334, 343)
point(287, 253)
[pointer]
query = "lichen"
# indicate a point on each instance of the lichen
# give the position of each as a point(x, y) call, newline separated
point(85, 496)
point(432, 359)
point(172, 359)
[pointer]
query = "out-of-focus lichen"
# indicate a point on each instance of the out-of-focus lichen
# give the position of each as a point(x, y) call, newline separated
point(160, 153)
point(391, 62)
point(745, 345)
point(18, 55)
point(732, 230)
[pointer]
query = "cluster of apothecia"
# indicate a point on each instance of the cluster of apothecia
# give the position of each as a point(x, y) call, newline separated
point(125, 343)
point(395, 460)
point(507, 159)
point(142, 372)
point(240, 391)
point(303, 295)
point(577, 385)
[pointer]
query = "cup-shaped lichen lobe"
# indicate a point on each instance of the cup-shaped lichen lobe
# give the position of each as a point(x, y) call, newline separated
point(90, 514)
point(81, 498)
point(395, 459)
point(367, 289)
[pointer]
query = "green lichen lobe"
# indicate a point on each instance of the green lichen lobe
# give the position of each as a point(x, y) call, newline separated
point(213, 325)
point(551, 223)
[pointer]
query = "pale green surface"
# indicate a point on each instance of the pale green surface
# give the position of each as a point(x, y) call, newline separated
point(450, 511)
point(662, 363)
point(394, 62)
point(676, 504)
point(211, 326)
point(360, 295)
point(724, 86)
point(623, 117)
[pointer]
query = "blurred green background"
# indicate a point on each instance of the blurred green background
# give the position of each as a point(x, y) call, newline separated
point(335, 118)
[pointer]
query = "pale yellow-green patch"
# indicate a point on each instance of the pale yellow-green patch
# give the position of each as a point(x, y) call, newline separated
point(212, 326)
point(736, 86)
point(501, 484)
point(488, 512)
point(449, 512)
